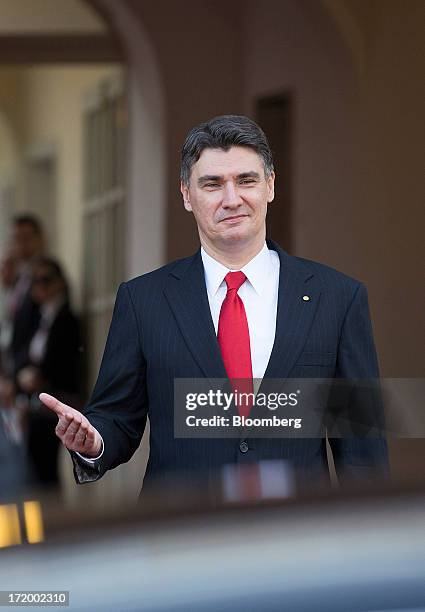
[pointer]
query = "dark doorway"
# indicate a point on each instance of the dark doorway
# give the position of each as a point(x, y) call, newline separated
point(274, 114)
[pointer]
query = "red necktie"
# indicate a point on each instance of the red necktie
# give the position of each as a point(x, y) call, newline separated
point(233, 338)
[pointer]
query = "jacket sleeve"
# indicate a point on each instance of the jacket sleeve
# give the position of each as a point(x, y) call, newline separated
point(118, 406)
point(361, 451)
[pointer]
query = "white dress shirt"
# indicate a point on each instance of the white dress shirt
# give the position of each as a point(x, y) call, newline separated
point(48, 313)
point(259, 294)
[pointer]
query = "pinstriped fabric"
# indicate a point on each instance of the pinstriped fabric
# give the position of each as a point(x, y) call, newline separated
point(162, 329)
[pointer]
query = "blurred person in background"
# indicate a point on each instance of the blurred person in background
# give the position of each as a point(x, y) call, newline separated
point(240, 308)
point(28, 244)
point(49, 366)
point(13, 464)
point(8, 280)
point(20, 321)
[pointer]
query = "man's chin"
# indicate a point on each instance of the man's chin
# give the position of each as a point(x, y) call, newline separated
point(239, 226)
point(235, 236)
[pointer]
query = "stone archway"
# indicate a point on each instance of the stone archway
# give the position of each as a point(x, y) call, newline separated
point(145, 172)
point(146, 151)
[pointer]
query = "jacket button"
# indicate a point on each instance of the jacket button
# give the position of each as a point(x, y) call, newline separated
point(243, 447)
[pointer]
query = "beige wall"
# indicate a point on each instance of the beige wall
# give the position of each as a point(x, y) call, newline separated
point(305, 58)
point(198, 51)
point(8, 181)
point(50, 116)
point(391, 125)
point(8, 152)
point(11, 108)
point(147, 144)
point(357, 179)
point(358, 189)
point(392, 136)
point(8, 176)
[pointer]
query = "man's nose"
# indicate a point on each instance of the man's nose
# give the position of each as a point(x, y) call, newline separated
point(231, 197)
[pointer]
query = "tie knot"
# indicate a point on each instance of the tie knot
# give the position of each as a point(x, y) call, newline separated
point(234, 280)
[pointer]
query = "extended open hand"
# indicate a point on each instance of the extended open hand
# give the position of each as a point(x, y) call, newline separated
point(73, 428)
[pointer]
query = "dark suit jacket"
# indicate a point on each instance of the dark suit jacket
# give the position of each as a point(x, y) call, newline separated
point(61, 368)
point(162, 329)
point(25, 324)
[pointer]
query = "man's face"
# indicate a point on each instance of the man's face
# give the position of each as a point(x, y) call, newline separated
point(26, 241)
point(228, 195)
point(45, 286)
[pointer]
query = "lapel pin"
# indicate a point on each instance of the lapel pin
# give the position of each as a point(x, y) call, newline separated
point(306, 298)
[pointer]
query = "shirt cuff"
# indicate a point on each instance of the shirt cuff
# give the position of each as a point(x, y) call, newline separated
point(91, 460)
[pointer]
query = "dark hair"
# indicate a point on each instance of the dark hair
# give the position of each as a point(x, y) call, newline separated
point(28, 219)
point(55, 271)
point(224, 132)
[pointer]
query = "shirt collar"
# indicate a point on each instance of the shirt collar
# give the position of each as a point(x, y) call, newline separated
point(256, 271)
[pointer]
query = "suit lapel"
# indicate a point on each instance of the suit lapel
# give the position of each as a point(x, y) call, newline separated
point(187, 296)
point(294, 314)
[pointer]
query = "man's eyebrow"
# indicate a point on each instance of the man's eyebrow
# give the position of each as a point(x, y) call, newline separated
point(251, 174)
point(209, 177)
point(214, 178)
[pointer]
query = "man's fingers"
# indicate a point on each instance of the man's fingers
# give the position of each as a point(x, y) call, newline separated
point(90, 439)
point(53, 403)
point(70, 420)
point(74, 425)
point(64, 421)
point(63, 424)
point(80, 434)
point(73, 428)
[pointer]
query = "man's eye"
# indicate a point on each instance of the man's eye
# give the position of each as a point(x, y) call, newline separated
point(211, 185)
point(246, 181)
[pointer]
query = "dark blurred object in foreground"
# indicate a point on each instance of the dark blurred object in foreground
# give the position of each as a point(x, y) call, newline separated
point(324, 554)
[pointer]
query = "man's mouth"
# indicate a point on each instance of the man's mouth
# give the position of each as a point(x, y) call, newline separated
point(233, 219)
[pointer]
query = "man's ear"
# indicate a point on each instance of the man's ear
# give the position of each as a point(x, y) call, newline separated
point(186, 198)
point(270, 187)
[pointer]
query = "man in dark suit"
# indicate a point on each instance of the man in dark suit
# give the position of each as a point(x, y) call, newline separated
point(49, 367)
point(240, 308)
point(28, 243)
